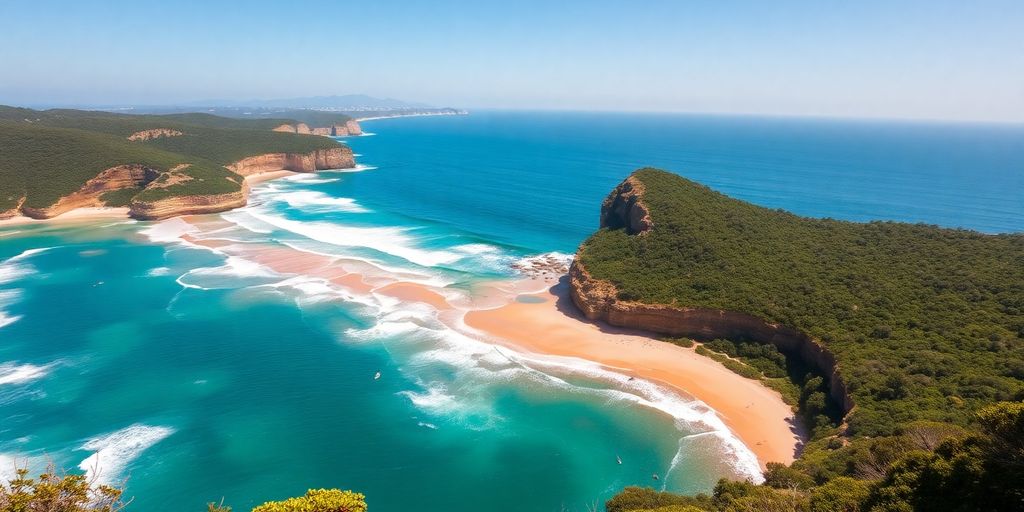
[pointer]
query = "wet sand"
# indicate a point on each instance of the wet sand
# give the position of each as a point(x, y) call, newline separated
point(548, 323)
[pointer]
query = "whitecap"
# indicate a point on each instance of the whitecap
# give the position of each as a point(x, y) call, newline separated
point(7, 298)
point(113, 452)
point(388, 240)
point(14, 374)
point(170, 230)
point(317, 201)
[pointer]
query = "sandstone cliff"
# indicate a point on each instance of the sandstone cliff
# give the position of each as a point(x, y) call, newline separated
point(141, 177)
point(333, 158)
point(115, 178)
point(350, 127)
point(189, 205)
point(598, 300)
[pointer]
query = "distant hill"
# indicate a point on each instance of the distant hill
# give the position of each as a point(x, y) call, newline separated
point(354, 102)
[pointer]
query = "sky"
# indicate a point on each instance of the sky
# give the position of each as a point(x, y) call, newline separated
point(921, 59)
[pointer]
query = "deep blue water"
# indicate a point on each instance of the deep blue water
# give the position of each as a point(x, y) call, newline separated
point(200, 374)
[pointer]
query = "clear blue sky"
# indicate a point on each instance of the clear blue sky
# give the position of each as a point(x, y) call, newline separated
point(908, 58)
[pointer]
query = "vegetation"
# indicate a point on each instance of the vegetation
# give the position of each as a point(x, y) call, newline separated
point(53, 492)
point(963, 472)
point(318, 500)
point(926, 324)
point(50, 154)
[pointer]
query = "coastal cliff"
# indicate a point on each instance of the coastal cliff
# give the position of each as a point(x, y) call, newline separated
point(146, 179)
point(598, 299)
point(350, 127)
point(162, 208)
point(189, 205)
point(115, 178)
point(321, 159)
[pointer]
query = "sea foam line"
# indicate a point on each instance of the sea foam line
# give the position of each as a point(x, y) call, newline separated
point(113, 452)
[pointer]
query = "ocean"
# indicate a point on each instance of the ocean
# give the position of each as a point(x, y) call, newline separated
point(240, 362)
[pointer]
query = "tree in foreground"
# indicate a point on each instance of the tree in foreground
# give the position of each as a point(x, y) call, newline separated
point(53, 492)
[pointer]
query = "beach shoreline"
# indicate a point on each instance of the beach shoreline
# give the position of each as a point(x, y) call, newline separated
point(548, 324)
point(95, 213)
point(533, 315)
point(425, 114)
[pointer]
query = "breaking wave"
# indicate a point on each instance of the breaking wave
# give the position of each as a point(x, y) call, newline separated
point(113, 452)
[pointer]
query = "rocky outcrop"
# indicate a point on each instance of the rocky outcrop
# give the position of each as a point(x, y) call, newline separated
point(12, 212)
point(625, 208)
point(189, 205)
point(333, 158)
point(115, 178)
point(599, 300)
point(155, 133)
point(353, 127)
point(350, 127)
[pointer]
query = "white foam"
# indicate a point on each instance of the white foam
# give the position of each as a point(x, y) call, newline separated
point(210, 278)
point(389, 240)
point(14, 268)
point(113, 452)
point(357, 168)
point(309, 179)
point(170, 230)
point(14, 374)
point(318, 201)
point(8, 297)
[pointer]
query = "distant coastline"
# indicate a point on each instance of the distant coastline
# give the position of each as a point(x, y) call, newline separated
point(452, 112)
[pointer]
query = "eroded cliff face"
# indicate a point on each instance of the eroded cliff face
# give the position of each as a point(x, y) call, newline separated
point(350, 127)
point(115, 178)
point(625, 208)
point(598, 300)
point(189, 205)
point(333, 158)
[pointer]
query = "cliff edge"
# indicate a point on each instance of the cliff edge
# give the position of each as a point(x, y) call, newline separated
point(625, 208)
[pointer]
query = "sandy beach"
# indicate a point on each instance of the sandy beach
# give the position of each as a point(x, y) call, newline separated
point(548, 323)
point(536, 316)
point(76, 215)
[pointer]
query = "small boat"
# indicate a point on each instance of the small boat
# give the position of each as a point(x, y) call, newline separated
point(618, 459)
point(376, 376)
point(654, 476)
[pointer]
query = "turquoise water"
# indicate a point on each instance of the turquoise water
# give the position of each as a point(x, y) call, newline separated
point(199, 374)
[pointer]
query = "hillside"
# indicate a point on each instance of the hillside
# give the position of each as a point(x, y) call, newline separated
point(57, 160)
point(881, 327)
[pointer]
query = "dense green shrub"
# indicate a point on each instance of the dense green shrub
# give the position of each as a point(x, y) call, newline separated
point(927, 323)
point(53, 492)
point(645, 498)
point(318, 500)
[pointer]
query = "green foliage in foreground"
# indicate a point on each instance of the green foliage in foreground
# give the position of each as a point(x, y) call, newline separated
point(318, 500)
point(53, 492)
point(927, 323)
point(45, 155)
point(923, 469)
